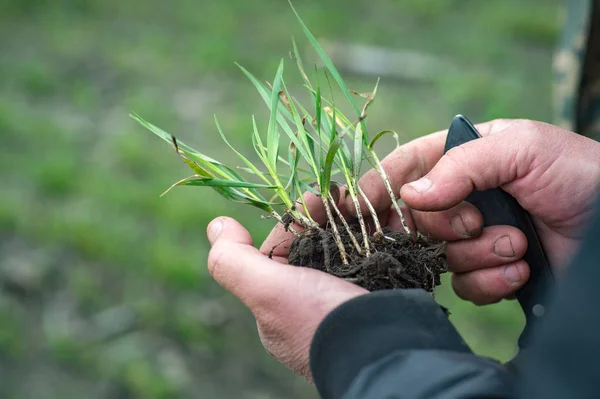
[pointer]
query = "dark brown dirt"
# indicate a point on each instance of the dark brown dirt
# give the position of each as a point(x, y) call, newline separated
point(406, 262)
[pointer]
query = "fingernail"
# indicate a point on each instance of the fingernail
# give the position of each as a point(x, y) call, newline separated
point(512, 274)
point(503, 247)
point(421, 185)
point(457, 224)
point(214, 229)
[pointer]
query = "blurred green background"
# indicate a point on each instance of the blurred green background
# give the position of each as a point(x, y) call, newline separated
point(105, 292)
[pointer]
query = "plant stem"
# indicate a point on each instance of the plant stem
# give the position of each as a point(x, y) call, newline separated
point(336, 234)
point(303, 220)
point(361, 220)
point(371, 211)
point(280, 220)
point(388, 187)
point(346, 226)
point(302, 201)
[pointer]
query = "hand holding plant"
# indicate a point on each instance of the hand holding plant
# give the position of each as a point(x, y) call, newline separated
point(290, 302)
point(319, 143)
point(551, 172)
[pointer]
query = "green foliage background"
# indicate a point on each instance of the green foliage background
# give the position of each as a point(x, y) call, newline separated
point(105, 292)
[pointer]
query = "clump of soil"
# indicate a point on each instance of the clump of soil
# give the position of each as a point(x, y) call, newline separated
point(398, 261)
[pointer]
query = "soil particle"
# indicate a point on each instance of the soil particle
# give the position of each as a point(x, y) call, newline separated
point(396, 260)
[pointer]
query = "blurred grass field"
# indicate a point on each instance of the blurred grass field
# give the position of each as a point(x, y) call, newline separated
point(105, 292)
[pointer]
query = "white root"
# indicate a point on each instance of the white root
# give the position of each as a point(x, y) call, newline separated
point(280, 220)
point(361, 220)
point(371, 211)
point(388, 187)
point(346, 226)
point(336, 234)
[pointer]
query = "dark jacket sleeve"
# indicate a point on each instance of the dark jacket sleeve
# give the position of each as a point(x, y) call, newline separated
point(399, 344)
point(564, 360)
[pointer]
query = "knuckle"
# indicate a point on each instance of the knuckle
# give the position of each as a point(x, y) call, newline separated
point(400, 152)
point(530, 130)
point(454, 155)
point(500, 122)
point(495, 126)
point(409, 157)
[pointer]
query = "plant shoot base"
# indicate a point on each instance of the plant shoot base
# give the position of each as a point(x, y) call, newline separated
point(405, 262)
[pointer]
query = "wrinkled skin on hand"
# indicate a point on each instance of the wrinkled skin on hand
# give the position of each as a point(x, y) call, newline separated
point(288, 302)
point(551, 172)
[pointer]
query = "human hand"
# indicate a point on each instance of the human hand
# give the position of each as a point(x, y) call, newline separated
point(553, 174)
point(288, 302)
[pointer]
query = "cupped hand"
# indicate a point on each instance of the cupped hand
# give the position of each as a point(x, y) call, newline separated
point(288, 302)
point(553, 173)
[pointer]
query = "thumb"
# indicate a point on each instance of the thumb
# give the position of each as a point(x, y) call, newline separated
point(489, 162)
point(227, 229)
point(241, 268)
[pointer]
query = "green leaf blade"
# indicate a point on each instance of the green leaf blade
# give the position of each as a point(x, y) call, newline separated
point(329, 159)
point(209, 182)
point(281, 115)
point(328, 64)
point(249, 164)
point(272, 132)
point(380, 135)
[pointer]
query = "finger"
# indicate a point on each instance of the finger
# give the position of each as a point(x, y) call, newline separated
point(409, 162)
point(242, 269)
point(225, 228)
point(394, 222)
point(403, 165)
point(497, 245)
point(487, 286)
point(280, 259)
point(489, 162)
point(382, 217)
point(457, 223)
point(279, 240)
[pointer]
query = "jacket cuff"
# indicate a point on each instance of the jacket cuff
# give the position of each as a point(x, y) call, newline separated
point(369, 327)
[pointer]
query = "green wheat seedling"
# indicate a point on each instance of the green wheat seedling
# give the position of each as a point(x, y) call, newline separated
point(319, 142)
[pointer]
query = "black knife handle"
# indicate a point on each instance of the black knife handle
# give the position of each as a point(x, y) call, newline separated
point(500, 208)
